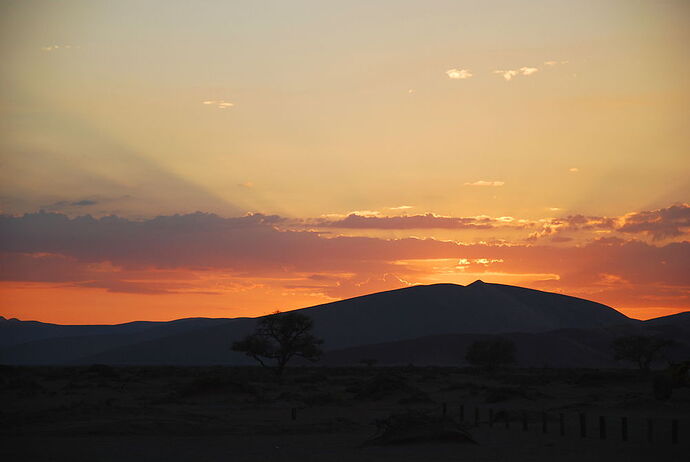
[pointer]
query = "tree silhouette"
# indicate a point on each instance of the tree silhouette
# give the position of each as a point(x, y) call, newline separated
point(278, 338)
point(640, 349)
point(491, 353)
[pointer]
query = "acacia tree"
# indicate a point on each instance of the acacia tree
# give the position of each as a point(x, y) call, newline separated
point(640, 349)
point(491, 353)
point(278, 338)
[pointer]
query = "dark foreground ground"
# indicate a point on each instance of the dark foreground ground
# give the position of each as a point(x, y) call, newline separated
point(101, 413)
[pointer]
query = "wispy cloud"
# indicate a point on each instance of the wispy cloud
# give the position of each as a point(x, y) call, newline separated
point(428, 221)
point(485, 183)
point(509, 74)
point(246, 184)
point(573, 169)
point(554, 63)
point(57, 47)
point(220, 104)
point(365, 213)
point(401, 207)
point(460, 74)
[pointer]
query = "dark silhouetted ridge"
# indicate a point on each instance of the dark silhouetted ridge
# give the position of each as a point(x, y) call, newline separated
point(400, 315)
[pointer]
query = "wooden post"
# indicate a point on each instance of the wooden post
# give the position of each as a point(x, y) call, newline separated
point(583, 425)
point(650, 430)
point(294, 413)
point(561, 422)
point(543, 422)
point(624, 428)
point(491, 417)
point(524, 421)
point(462, 413)
point(476, 416)
point(674, 431)
point(602, 427)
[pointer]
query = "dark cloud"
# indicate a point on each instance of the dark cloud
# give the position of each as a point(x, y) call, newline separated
point(143, 288)
point(40, 267)
point(84, 203)
point(117, 254)
point(660, 224)
point(561, 239)
point(578, 222)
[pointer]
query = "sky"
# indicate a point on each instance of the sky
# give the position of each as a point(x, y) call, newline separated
point(169, 159)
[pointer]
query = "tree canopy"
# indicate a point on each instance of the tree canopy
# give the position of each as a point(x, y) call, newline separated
point(278, 338)
point(640, 349)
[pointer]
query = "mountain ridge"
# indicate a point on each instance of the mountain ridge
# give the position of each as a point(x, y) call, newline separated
point(405, 314)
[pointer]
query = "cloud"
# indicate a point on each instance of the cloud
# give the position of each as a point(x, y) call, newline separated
point(507, 75)
point(511, 73)
point(485, 183)
point(401, 207)
point(660, 224)
point(61, 205)
point(554, 63)
point(573, 169)
point(664, 223)
point(220, 104)
point(459, 74)
point(57, 47)
point(246, 184)
point(428, 221)
point(148, 256)
point(84, 203)
point(364, 213)
point(572, 223)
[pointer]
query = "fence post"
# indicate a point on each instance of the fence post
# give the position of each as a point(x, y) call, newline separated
point(650, 430)
point(602, 427)
point(674, 431)
point(524, 421)
point(583, 425)
point(561, 422)
point(293, 413)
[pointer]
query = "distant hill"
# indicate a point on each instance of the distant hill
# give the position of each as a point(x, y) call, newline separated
point(14, 331)
point(558, 348)
point(399, 318)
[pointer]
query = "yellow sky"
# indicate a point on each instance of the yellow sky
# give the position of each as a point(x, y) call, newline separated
point(345, 107)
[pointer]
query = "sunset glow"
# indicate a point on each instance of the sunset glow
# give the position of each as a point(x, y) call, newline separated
point(230, 159)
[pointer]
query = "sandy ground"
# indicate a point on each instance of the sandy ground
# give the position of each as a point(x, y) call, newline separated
point(243, 414)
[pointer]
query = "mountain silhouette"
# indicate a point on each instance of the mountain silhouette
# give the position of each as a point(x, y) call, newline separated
point(418, 314)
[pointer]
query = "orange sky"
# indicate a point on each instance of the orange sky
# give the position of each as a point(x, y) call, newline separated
point(234, 158)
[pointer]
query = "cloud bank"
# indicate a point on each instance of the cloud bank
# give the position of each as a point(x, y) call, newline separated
point(207, 254)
